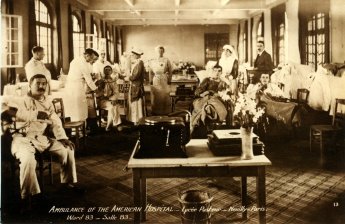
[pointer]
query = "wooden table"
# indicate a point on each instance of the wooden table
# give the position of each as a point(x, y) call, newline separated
point(182, 81)
point(200, 163)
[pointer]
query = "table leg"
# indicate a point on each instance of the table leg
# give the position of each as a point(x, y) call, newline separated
point(261, 193)
point(244, 196)
point(136, 194)
point(172, 104)
point(321, 150)
point(84, 136)
point(77, 138)
point(143, 198)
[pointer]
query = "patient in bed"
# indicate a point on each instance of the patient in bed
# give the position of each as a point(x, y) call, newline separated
point(265, 87)
point(209, 107)
point(275, 101)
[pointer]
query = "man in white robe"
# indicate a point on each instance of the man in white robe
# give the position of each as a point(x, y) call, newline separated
point(36, 112)
point(78, 80)
point(36, 65)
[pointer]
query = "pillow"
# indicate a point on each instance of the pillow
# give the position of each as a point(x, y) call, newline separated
point(202, 74)
point(210, 65)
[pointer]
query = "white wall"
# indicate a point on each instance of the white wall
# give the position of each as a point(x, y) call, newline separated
point(337, 31)
point(292, 44)
point(181, 42)
point(268, 31)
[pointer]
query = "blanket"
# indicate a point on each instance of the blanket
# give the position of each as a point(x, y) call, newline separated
point(210, 107)
point(287, 112)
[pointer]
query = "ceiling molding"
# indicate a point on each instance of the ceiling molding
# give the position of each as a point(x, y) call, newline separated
point(177, 11)
point(143, 5)
point(173, 22)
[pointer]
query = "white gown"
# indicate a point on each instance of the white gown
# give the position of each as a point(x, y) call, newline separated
point(75, 102)
point(160, 89)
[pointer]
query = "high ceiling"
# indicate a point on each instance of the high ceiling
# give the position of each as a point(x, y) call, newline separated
point(175, 12)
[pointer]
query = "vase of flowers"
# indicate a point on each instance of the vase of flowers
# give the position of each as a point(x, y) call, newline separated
point(186, 67)
point(246, 114)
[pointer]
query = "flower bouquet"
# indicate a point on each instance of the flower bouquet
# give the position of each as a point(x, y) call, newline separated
point(187, 66)
point(246, 112)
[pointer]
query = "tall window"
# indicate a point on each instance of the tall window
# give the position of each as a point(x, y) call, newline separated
point(118, 43)
point(78, 36)
point(279, 26)
point(281, 44)
point(259, 32)
point(245, 42)
point(110, 41)
point(11, 41)
point(316, 40)
point(314, 32)
point(44, 29)
point(260, 29)
point(91, 40)
point(95, 30)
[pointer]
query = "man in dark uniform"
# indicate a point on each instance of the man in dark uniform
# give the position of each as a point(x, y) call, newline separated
point(263, 62)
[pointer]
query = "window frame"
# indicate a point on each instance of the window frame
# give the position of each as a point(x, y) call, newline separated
point(110, 43)
point(7, 51)
point(245, 41)
point(80, 33)
point(306, 11)
point(279, 21)
point(48, 48)
point(313, 35)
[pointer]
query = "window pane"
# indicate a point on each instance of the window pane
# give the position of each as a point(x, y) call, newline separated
point(8, 59)
point(14, 34)
point(14, 59)
point(95, 31)
point(43, 17)
point(14, 22)
point(259, 33)
point(14, 47)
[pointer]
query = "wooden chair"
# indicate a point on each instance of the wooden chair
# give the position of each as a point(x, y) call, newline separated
point(44, 160)
point(322, 133)
point(302, 96)
point(74, 126)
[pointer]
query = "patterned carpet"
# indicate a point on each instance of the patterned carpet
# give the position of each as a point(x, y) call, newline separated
point(298, 189)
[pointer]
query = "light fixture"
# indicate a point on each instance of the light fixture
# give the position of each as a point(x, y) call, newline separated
point(224, 2)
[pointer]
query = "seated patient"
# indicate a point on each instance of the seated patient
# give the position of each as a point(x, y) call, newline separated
point(37, 113)
point(266, 93)
point(209, 105)
point(107, 98)
point(265, 87)
point(211, 85)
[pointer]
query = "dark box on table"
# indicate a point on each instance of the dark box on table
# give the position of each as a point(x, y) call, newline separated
point(162, 137)
point(229, 143)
